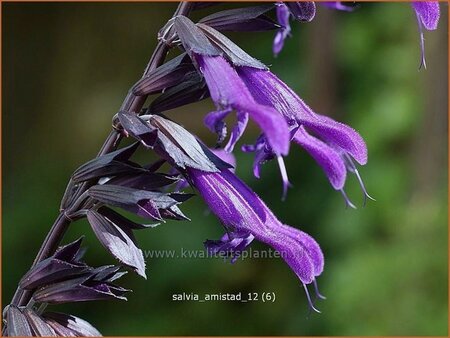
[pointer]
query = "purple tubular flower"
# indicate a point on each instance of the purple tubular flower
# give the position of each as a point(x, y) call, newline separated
point(332, 144)
point(246, 216)
point(303, 11)
point(285, 30)
point(427, 13)
point(230, 93)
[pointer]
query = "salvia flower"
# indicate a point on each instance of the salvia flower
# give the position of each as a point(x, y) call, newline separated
point(226, 89)
point(283, 19)
point(229, 93)
point(245, 216)
point(427, 13)
point(231, 244)
point(303, 11)
point(332, 144)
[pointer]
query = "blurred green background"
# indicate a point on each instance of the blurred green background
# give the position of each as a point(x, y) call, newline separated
point(66, 70)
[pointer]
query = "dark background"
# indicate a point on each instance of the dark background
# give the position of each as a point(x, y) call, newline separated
point(66, 70)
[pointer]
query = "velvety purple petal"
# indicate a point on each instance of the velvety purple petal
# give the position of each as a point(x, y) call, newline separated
point(214, 122)
point(283, 15)
point(278, 42)
point(268, 89)
point(240, 208)
point(225, 87)
point(339, 134)
point(228, 90)
point(310, 245)
point(428, 12)
point(237, 131)
point(229, 198)
point(273, 125)
point(326, 157)
point(293, 252)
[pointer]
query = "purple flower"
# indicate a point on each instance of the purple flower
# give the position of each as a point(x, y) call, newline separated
point(231, 243)
point(245, 216)
point(285, 30)
point(332, 144)
point(427, 13)
point(229, 93)
point(303, 11)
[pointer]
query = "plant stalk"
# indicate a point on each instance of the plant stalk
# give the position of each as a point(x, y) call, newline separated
point(131, 103)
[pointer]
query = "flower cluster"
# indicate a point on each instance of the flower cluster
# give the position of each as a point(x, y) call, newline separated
point(210, 65)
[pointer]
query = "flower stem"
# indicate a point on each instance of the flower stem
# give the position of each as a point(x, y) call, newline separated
point(62, 222)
